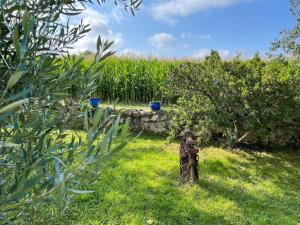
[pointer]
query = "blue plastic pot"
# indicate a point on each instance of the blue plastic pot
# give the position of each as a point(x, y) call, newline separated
point(95, 102)
point(155, 106)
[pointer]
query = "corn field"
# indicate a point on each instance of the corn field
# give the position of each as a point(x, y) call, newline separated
point(133, 79)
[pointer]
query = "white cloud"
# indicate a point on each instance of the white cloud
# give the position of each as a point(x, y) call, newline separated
point(99, 26)
point(200, 54)
point(118, 14)
point(169, 10)
point(161, 40)
point(204, 36)
point(130, 53)
point(185, 45)
point(186, 35)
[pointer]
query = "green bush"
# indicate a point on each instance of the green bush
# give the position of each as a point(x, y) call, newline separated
point(238, 102)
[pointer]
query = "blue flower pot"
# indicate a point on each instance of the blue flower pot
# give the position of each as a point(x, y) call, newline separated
point(94, 102)
point(155, 106)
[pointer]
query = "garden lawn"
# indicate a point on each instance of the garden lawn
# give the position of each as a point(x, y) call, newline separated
point(140, 185)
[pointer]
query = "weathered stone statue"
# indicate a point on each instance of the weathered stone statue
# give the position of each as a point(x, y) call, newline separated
point(189, 158)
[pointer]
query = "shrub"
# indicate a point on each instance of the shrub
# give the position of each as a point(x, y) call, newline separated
point(236, 102)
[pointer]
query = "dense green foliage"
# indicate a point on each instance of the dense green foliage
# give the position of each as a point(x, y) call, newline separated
point(132, 79)
point(135, 80)
point(35, 159)
point(235, 102)
point(140, 185)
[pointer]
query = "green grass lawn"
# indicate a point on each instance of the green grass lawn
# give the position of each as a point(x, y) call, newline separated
point(140, 185)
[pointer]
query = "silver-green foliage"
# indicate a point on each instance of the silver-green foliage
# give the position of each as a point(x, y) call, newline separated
point(37, 156)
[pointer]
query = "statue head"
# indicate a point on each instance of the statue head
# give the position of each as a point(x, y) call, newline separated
point(189, 137)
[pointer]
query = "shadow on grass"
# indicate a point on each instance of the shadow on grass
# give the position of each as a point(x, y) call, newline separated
point(281, 168)
point(265, 183)
point(257, 209)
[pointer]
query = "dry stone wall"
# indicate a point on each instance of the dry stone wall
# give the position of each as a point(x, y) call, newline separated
point(147, 121)
point(140, 120)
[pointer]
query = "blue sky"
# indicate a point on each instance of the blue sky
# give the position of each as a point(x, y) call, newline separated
point(189, 28)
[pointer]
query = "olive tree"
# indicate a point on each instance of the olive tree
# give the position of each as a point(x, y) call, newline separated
point(38, 157)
